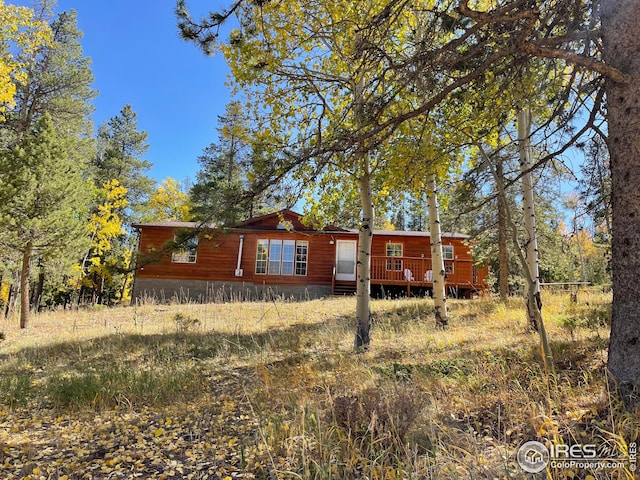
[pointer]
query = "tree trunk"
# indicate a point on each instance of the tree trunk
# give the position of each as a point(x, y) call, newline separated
point(547, 357)
point(365, 233)
point(36, 300)
point(363, 266)
point(621, 50)
point(24, 286)
point(532, 275)
point(503, 252)
point(437, 259)
point(532, 292)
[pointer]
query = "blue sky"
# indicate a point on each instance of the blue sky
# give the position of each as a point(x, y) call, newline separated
point(139, 59)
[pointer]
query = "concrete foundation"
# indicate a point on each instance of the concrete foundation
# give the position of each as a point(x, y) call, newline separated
point(201, 291)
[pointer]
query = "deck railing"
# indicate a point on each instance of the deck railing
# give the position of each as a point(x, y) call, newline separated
point(402, 270)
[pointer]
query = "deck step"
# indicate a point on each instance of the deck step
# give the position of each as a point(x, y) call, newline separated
point(344, 288)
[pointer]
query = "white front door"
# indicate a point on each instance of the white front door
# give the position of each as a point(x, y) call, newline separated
point(346, 260)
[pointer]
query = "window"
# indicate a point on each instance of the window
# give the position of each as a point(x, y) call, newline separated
point(302, 249)
point(288, 256)
point(448, 268)
point(275, 251)
point(282, 257)
point(187, 251)
point(447, 252)
point(394, 250)
point(262, 256)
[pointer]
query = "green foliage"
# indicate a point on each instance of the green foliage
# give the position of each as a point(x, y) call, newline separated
point(58, 82)
point(122, 191)
point(119, 385)
point(43, 197)
point(120, 148)
point(17, 387)
point(20, 31)
point(55, 87)
point(222, 192)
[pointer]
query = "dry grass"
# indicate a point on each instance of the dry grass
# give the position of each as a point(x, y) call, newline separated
point(273, 390)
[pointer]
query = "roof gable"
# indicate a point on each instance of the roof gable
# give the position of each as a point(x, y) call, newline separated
point(281, 220)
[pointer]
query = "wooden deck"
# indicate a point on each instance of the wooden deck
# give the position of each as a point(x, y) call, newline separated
point(411, 272)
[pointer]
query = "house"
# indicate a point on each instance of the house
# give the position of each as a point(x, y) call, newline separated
point(277, 254)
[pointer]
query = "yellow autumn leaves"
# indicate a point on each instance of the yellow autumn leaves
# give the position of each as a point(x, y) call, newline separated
point(21, 34)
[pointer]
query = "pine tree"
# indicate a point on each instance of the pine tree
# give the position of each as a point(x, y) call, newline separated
point(621, 49)
point(219, 193)
point(118, 166)
point(57, 82)
point(120, 151)
point(43, 202)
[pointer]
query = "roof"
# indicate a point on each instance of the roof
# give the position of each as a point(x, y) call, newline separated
point(169, 224)
point(286, 214)
point(406, 233)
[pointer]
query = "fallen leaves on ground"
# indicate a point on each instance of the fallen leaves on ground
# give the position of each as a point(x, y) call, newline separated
point(213, 438)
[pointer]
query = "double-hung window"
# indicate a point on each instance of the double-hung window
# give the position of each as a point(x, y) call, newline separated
point(302, 252)
point(282, 257)
point(262, 257)
point(288, 256)
point(394, 250)
point(447, 255)
point(275, 256)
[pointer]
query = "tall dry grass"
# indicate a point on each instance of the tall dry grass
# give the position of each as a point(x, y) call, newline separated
point(420, 403)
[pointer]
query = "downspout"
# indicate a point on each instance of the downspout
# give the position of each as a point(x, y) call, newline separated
point(239, 271)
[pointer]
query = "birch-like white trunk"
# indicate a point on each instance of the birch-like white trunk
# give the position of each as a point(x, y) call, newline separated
point(532, 294)
point(365, 232)
point(437, 258)
point(532, 276)
point(363, 265)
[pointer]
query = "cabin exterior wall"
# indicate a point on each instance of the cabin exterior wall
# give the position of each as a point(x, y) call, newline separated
point(210, 271)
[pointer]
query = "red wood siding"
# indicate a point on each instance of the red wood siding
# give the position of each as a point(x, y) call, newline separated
point(217, 256)
point(320, 257)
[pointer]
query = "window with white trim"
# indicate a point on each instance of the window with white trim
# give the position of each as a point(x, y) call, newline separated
point(302, 254)
point(288, 256)
point(282, 257)
point(187, 253)
point(275, 257)
point(262, 256)
point(394, 250)
point(447, 252)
